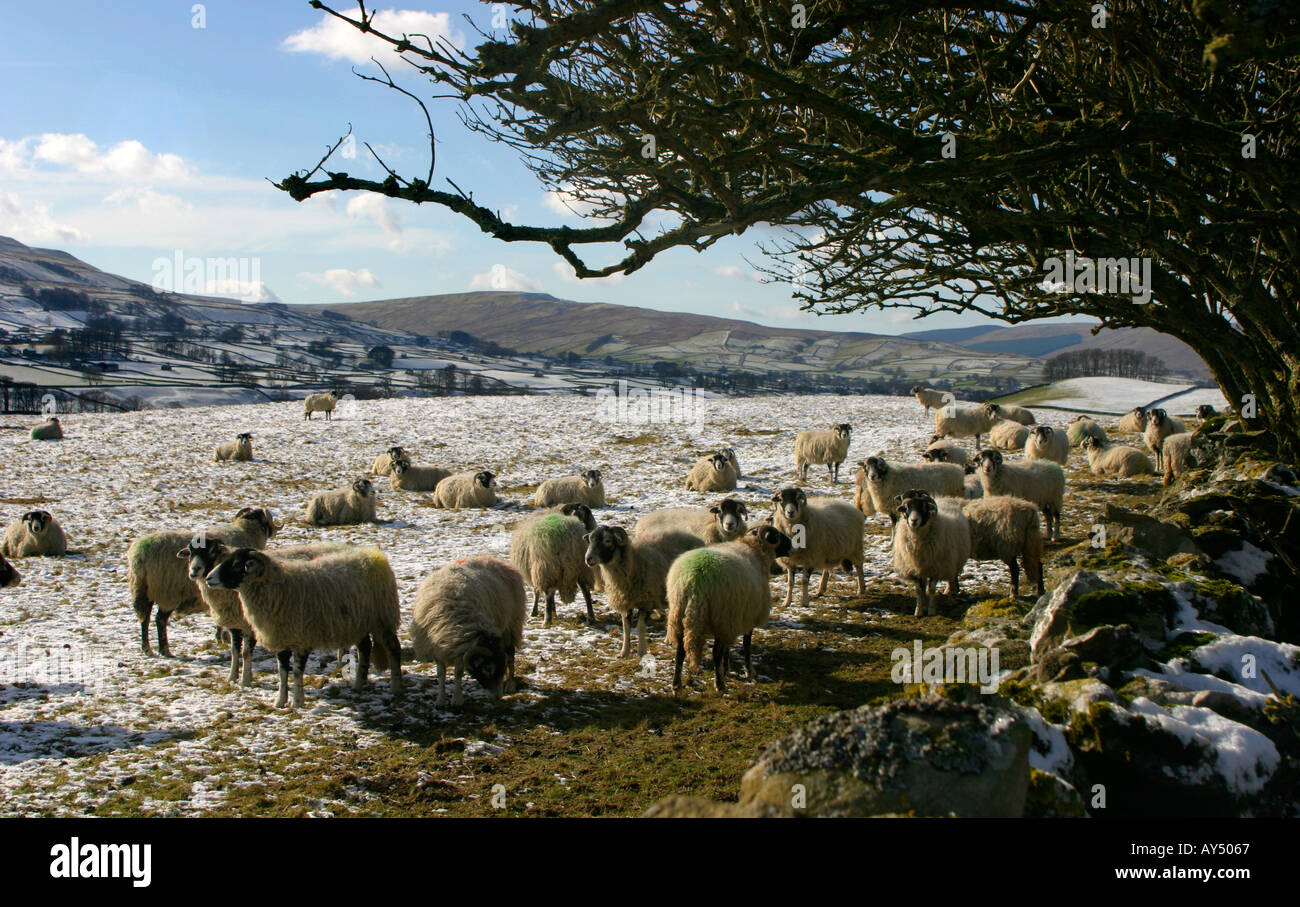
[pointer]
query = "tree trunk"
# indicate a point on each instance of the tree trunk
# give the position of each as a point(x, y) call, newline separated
point(1247, 367)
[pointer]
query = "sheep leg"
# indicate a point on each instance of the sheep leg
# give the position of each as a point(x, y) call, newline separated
point(1014, 567)
point(537, 597)
point(807, 572)
point(509, 685)
point(640, 632)
point(920, 598)
point(442, 683)
point(627, 636)
point(720, 665)
point(236, 645)
point(789, 585)
point(826, 574)
point(249, 642)
point(749, 661)
point(394, 647)
point(862, 580)
point(160, 624)
point(677, 666)
point(362, 676)
point(143, 611)
point(282, 659)
point(977, 442)
point(458, 700)
point(299, 665)
point(586, 594)
point(550, 608)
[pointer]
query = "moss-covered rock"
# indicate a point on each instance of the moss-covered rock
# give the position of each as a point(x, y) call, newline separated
point(1051, 797)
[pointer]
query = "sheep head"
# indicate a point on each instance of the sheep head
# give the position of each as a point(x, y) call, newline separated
point(604, 544)
point(790, 502)
point(243, 565)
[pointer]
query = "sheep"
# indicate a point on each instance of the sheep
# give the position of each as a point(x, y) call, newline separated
point(8, 575)
point(1041, 482)
point(383, 465)
point(405, 477)
point(730, 454)
point(713, 473)
point(931, 543)
point(339, 599)
point(35, 534)
point(1009, 435)
point(954, 421)
point(346, 506)
point(202, 556)
point(996, 411)
point(1134, 422)
point(721, 592)
point(470, 613)
point(466, 489)
point(240, 449)
point(1120, 460)
point(634, 570)
point(722, 522)
point(587, 488)
point(886, 480)
point(826, 447)
point(1160, 425)
point(1047, 443)
point(1179, 454)
point(156, 578)
point(1205, 411)
point(974, 487)
point(548, 549)
point(1081, 427)
point(862, 494)
point(941, 451)
point(929, 398)
point(1004, 528)
point(49, 430)
point(320, 403)
point(825, 534)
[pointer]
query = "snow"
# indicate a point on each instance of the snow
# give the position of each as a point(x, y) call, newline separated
point(1247, 659)
point(1116, 396)
point(1246, 564)
point(1244, 758)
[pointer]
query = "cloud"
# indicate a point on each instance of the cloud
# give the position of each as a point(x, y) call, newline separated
point(502, 278)
point(563, 201)
point(375, 209)
point(333, 38)
point(33, 224)
point(128, 161)
point(564, 271)
point(735, 272)
point(244, 291)
point(343, 281)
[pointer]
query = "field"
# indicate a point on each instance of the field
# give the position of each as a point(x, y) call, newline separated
point(98, 728)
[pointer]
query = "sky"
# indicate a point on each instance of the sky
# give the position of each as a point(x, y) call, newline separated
point(136, 133)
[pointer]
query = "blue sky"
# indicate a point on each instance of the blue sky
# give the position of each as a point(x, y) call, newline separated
point(128, 135)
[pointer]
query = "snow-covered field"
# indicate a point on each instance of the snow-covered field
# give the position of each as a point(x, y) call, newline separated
point(1119, 395)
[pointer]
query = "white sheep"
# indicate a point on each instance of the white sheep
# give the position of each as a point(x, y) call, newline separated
point(1160, 425)
point(320, 403)
point(405, 477)
point(1081, 427)
point(730, 454)
point(721, 592)
point(240, 449)
point(964, 421)
point(470, 613)
point(929, 398)
point(715, 472)
point(588, 488)
point(49, 430)
point(35, 534)
point(1009, 435)
point(634, 571)
point(941, 451)
point(1004, 528)
point(974, 487)
point(1134, 422)
point(466, 489)
point(721, 522)
point(383, 464)
point(1114, 459)
point(156, 577)
point(1178, 454)
point(8, 575)
point(861, 493)
point(346, 506)
point(1041, 482)
point(339, 599)
point(1010, 411)
point(885, 481)
point(1047, 443)
point(822, 446)
point(931, 544)
point(824, 534)
point(548, 550)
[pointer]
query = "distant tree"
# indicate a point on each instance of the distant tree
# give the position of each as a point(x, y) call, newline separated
point(382, 355)
point(232, 334)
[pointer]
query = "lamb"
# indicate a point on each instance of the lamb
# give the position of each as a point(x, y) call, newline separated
point(1134, 422)
point(320, 403)
point(1004, 528)
point(715, 472)
point(240, 449)
point(337, 600)
point(634, 571)
point(722, 522)
point(1178, 453)
point(405, 477)
point(1160, 425)
point(826, 447)
point(885, 481)
point(996, 411)
point(1041, 482)
point(941, 451)
point(466, 489)
point(548, 549)
point(1047, 443)
point(721, 592)
point(954, 421)
point(931, 543)
point(157, 578)
point(929, 398)
point(1081, 427)
point(35, 534)
point(49, 430)
point(1009, 435)
point(824, 533)
point(346, 506)
point(8, 575)
point(587, 488)
point(1120, 460)
point(383, 465)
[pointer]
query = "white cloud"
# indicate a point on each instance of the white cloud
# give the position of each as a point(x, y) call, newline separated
point(374, 208)
point(33, 224)
point(334, 38)
point(563, 201)
point(343, 281)
point(566, 273)
point(735, 272)
point(244, 291)
point(127, 161)
point(502, 278)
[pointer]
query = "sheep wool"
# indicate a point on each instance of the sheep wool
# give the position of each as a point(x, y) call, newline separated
point(465, 490)
point(964, 421)
point(1040, 482)
point(383, 464)
point(824, 534)
point(722, 522)
point(240, 449)
point(588, 488)
point(405, 477)
point(35, 534)
point(1009, 435)
point(1081, 427)
point(931, 544)
point(49, 430)
point(1010, 411)
point(1047, 443)
point(1160, 425)
point(929, 398)
point(822, 447)
point(346, 506)
point(885, 480)
point(548, 551)
point(1003, 529)
point(715, 472)
point(320, 403)
point(1118, 460)
point(1134, 422)
point(1178, 455)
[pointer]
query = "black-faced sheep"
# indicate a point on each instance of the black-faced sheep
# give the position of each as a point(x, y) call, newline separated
point(588, 488)
point(49, 430)
point(1205, 411)
point(8, 575)
point(720, 522)
point(1081, 427)
point(1041, 482)
point(466, 489)
point(1160, 425)
point(931, 545)
point(996, 411)
point(383, 465)
point(730, 454)
point(1047, 443)
point(1003, 529)
point(320, 403)
point(35, 534)
point(1134, 422)
point(240, 449)
point(712, 473)
point(941, 451)
point(824, 534)
point(964, 421)
point(721, 592)
point(1114, 459)
point(822, 447)
point(470, 614)
point(344, 507)
point(885, 481)
point(405, 477)
point(929, 398)
point(548, 551)
point(1009, 435)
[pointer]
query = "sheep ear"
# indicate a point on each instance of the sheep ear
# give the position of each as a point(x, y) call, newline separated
point(744, 511)
point(243, 512)
point(620, 536)
point(715, 509)
point(184, 553)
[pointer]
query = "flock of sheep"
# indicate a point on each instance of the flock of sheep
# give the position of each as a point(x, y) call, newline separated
point(706, 569)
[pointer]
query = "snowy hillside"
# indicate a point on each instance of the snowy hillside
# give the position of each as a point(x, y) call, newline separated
point(1118, 395)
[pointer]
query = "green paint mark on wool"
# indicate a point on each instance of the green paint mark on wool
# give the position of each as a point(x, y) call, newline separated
point(146, 543)
point(551, 527)
point(702, 568)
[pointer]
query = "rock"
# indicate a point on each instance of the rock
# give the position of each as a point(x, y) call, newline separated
point(1110, 646)
point(1059, 665)
point(1156, 537)
point(681, 807)
point(1086, 600)
point(1051, 797)
point(930, 757)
